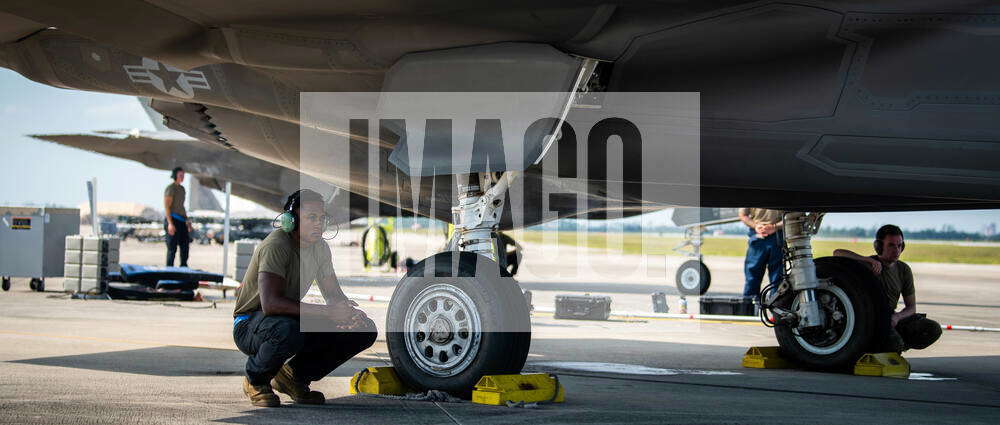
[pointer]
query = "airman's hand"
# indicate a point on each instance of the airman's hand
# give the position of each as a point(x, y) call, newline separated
point(341, 312)
point(171, 229)
point(876, 266)
point(764, 230)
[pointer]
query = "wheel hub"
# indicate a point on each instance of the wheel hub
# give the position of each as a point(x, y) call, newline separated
point(839, 314)
point(443, 330)
point(690, 278)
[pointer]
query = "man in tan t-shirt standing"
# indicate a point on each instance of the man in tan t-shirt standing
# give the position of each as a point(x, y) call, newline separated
point(176, 222)
point(764, 249)
point(266, 324)
point(907, 328)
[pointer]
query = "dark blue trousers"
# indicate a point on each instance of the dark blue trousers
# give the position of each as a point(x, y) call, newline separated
point(180, 239)
point(762, 255)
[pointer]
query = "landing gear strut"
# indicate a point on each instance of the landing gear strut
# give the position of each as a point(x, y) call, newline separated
point(457, 316)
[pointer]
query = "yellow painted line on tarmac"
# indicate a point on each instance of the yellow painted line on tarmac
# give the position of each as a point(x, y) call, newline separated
point(116, 340)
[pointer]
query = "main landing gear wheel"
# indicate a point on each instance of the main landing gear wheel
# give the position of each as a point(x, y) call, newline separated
point(451, 322)
point(6, 283)
point(851, 315)
point(693, 278)
point(37, 284)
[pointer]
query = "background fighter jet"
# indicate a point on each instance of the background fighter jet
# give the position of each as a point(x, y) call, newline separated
point(253, 179)
point(806, 106)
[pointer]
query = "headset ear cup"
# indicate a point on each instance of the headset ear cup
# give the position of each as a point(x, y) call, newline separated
point(287, 222)
point(902, 247)
point(878, 246)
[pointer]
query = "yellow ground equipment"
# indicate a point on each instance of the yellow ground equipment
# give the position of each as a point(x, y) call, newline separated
point(890, 365)
point(378, 380)
point(376, 249)
point(500, 390)
point(764, 358)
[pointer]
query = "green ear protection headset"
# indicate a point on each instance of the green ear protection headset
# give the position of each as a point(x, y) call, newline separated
point(288, 220)
point(884, 231)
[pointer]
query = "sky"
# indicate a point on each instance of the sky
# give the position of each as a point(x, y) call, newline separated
point(42, 173)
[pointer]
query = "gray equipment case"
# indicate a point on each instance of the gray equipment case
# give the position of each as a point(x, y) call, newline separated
point(32, 240)
point(583, 307)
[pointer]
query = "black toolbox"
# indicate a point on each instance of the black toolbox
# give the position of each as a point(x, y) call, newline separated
point(583, 307)
point(728, 305)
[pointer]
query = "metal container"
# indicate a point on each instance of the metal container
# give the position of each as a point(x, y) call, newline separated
point(583, 307)
point(33, 240)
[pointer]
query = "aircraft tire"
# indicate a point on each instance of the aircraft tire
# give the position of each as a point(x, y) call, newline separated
point(847, 335)
point(6, 283)
point(693, 278)
point(423, 325)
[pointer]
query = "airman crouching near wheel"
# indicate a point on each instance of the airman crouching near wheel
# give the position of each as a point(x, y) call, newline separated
point(266, 325)
point(908, 329)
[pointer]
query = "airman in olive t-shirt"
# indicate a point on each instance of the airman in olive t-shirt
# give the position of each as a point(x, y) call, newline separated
point(266, 320)
point(906, 328)
point(175, 222)
point(278, 254)
point(897, 280)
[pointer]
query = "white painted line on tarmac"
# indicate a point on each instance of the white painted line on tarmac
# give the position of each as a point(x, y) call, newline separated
point(918, 376)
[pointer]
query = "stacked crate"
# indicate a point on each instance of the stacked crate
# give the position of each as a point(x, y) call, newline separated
point(71, 265)
point(99, 256)
point(244, 252)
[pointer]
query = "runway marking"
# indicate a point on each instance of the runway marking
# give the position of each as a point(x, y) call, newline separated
point(920, 376)
point(117, 340)
point(626, 369)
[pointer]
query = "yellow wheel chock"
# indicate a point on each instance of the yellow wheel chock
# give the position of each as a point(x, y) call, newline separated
point(765, 358)
point(890, 365)
point(498, 390)
point(378, 380)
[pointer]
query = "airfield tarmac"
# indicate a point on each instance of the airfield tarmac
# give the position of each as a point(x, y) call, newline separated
point(76, 361)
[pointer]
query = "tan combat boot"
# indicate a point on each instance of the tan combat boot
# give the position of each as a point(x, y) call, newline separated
point(285, 382)
point(260, 395)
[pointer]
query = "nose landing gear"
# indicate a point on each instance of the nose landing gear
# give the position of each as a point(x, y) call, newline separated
point(458, 315)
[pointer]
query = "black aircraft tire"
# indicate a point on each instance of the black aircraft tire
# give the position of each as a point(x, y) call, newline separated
point(839, 352)
point(31, 284)
point(501, 312)
point(693, 278)
point(6, 284)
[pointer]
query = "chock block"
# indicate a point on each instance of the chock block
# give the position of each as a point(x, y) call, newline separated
point(378, 380)
point(764, 358)
point(890, 365)
point(497, 390)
